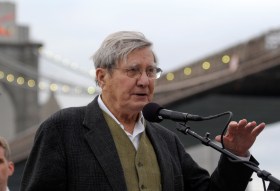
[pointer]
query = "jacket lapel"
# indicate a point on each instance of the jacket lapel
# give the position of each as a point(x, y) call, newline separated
point(163, 157)
point(102, 144)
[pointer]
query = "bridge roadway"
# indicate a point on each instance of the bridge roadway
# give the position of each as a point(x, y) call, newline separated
point(248, 86)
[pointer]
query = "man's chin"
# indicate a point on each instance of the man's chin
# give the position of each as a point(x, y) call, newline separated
point(139, 105)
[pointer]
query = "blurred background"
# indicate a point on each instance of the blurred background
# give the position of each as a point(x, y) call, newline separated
point(216, 56)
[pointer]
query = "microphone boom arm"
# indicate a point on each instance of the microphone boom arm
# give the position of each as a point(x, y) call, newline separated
point(207, 141)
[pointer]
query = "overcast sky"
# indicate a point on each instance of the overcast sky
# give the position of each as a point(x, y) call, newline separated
point(182, 31)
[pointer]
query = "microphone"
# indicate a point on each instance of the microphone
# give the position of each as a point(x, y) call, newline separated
point(155, 113)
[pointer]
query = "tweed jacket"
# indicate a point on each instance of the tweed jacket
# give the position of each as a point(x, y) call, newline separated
point(74, 151)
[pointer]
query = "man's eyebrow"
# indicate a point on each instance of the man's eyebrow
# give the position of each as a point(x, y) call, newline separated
point(138, 65)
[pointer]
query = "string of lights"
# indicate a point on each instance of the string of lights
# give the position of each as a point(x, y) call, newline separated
point(46, 84)
point(27, 77)
point(205, 65)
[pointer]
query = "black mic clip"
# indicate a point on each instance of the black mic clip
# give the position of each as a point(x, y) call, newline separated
point(185, 129)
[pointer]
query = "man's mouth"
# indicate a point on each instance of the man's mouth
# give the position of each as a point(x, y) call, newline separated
point(141, 94)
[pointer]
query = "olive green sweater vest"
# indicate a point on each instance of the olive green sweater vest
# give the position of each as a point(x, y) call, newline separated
point(140, 167)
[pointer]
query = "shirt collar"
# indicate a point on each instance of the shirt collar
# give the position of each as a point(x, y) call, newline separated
point(139, 126)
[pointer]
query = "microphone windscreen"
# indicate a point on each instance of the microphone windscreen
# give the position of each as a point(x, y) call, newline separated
point(151, 111)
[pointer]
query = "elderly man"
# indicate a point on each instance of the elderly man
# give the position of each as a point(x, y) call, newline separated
point(108, 145)
point(6, 166)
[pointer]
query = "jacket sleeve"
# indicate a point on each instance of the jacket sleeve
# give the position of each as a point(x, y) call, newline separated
point(45, 167)
point(231, 176)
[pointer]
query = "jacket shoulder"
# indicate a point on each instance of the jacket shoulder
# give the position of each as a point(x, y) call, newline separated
point(66, 115)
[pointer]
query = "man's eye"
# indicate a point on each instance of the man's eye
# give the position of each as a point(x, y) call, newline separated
point(132, 70)
point(151, 70)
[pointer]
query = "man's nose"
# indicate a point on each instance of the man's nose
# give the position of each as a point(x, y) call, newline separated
point(143, 78)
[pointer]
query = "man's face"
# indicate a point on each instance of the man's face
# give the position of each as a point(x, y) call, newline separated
point(6, 169)
point(125, 94)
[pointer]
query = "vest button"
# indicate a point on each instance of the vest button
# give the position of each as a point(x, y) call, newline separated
point(143, 187)
point(140, 164)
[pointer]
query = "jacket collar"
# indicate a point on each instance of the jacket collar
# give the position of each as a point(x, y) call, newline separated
point(102, 145)
point(163, 156)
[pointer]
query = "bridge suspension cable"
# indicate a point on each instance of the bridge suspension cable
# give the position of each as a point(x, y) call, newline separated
point(16, 73)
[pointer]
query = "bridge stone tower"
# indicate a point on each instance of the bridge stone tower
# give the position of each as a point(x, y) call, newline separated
point(18, 75)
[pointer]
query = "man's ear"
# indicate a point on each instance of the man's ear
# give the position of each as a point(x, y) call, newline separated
point(11, 168)
point(100, 74)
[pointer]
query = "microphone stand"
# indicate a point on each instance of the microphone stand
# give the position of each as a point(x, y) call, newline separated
point(275, 183)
